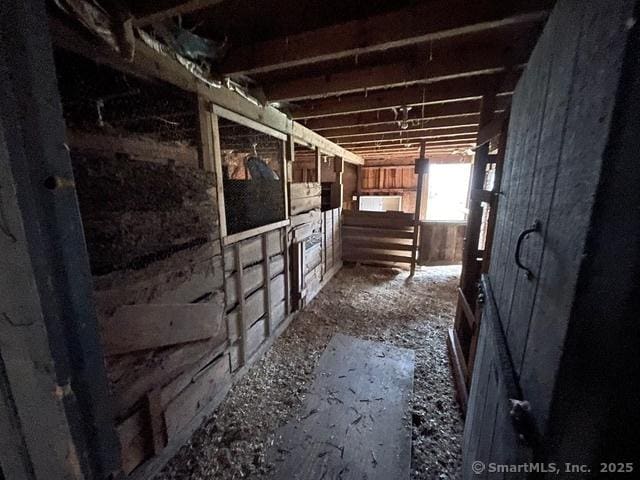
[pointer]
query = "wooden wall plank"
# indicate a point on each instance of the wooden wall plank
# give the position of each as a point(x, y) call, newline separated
point(140, 327)
point(180, 411)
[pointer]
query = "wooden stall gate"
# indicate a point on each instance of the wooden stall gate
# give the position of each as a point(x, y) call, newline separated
point(378, 238)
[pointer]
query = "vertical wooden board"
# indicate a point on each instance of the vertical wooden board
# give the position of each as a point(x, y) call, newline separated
point(595, 83)
point(537, 89)
point(135, 444)
point(477, 394)
point(255, 337)
point(547, 163)
point(253, 278)
point(508, 188)
point(278, 315)
point(180, 411)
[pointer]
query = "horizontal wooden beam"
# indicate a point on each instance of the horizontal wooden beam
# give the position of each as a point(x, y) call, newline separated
point(407, 162)
point(445, 65)
point(454, 111)
point(461, 89)
point(468, 140)
point(401, 135)
point(420, 23)
point(183, 8)
point(439, 126)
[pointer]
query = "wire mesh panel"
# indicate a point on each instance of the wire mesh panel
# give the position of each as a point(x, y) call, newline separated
point(252, 174)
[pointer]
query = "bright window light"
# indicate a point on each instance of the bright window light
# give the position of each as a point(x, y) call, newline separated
point(448, 186)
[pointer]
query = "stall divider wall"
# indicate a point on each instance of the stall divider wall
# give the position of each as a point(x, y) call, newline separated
point(219, 305)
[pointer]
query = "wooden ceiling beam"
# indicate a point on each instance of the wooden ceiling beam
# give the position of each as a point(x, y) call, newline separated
point(183, 8)
point(454, 111)
point(423, 22)
point(391, 129)
point(458, 90)
point(413, 136)
point(406, 161)
point(445, 65)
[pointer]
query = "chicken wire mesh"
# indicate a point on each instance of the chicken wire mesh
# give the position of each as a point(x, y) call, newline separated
point(252, 171)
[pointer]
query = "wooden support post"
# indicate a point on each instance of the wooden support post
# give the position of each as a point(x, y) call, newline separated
point(338, 168)
point(497, 180)
point(286, 156)
point(359, 180)
point(422, 167)
point(242, 328)
point(318, 165)
point(206, 156)
point(266, 264)
point(217, 156)
point(284, 239)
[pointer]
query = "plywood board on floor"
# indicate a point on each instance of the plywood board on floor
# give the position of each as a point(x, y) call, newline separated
point(355, 422)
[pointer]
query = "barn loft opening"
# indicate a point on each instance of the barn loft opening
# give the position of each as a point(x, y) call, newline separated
point(319, 240)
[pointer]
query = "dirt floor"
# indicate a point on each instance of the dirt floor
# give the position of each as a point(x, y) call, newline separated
point(370, 303)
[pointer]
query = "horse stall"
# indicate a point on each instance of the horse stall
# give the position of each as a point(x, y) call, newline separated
point(204, 235)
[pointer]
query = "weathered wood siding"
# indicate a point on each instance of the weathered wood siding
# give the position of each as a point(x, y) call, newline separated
point(558, 136)
point(441, 243)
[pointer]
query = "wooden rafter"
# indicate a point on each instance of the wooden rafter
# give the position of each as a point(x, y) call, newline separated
point(447, 65)
point(420, 23)
point(396, 133)
point(457, 90)
point(454, 111)
point(435, 126)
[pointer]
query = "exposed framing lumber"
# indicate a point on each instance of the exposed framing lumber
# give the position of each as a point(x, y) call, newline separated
point(444, 125)
point(417, 24)
point(237, 237)
point(461, 136)
point(266, 265)
point(180, 9)
point(406, 162)
point(149, 63)
point(448, 65)
point(455, 111)
point(241, 326)
point(206, 148)
point(460, 89)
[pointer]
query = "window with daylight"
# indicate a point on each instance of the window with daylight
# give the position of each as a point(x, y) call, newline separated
point(448, 190)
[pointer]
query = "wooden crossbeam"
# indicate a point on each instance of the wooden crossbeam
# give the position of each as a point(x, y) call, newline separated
point(391, 129)
point(454, 111)
point(448, 65)
point(460, 89)
point(400, 136)
point(420, 23)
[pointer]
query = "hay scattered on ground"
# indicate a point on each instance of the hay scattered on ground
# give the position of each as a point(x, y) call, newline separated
point(369, 303)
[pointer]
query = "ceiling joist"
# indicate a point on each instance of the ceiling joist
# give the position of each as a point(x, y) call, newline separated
point(424, 22)
point(462, 89)
point(448, 65)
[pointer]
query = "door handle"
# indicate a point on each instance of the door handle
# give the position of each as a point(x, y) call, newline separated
point(534, 228)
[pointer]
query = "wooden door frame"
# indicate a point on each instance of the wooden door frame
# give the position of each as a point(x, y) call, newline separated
point(54, 391)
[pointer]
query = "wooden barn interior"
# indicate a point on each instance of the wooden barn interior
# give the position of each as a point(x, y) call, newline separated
point(394, 239)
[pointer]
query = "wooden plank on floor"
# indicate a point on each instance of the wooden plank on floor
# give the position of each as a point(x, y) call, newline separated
point(355, 422)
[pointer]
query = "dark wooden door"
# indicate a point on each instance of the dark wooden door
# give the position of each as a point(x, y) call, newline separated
point(558, 131)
